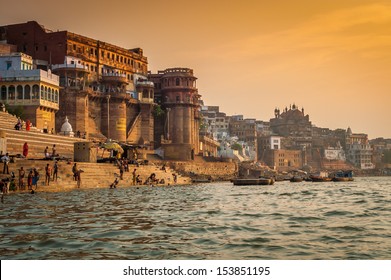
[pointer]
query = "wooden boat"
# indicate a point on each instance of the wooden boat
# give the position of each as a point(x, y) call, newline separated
point(343, 176)
point(296, 179)
point(253, 181)
point(320, 179)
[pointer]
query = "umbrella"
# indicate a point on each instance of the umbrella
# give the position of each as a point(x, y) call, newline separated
point(113, 146)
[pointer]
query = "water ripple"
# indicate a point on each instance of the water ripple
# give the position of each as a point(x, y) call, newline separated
point(209, 221)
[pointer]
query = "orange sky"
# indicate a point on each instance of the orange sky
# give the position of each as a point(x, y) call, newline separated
point(331, 57)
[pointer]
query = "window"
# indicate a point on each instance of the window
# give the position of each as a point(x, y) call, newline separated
point(3, 95)
point(19, 90)
point(11, 92)
point(177, 82)
point(27, 90)
point(9, 64)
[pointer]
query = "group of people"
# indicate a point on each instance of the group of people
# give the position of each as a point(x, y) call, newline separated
point(19, 124)
point(54, 153)
point(10, 183)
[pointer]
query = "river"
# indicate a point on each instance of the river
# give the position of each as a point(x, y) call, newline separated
point(330, 220)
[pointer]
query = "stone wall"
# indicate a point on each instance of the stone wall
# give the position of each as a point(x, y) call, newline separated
point(216, 170)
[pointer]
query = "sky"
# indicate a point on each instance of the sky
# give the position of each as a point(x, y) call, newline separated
point(331, 57)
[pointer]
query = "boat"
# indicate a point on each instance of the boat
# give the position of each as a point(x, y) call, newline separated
point(320, 177)
point(252, 181)
point(296, 179)
point(343, 176)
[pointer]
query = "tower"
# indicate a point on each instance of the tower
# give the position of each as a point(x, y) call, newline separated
point(176, 92)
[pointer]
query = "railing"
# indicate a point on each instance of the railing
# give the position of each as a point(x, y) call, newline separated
point(133, 124)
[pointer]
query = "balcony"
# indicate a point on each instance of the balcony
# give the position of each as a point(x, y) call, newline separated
point(115, 78)
point(69, 67)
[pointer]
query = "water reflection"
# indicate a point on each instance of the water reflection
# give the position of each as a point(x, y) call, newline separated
point(216, 221)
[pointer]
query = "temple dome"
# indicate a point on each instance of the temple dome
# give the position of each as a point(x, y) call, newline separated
point(66, 128)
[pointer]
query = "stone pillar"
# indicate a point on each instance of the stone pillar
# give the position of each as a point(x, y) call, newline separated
point(187, 125)
point(178, 125)
point(117, 119)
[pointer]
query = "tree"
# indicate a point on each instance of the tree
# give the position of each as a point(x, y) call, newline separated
point(236, 146)
point(158, 111)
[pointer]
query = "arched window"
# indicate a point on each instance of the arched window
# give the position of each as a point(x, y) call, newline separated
point(177, 82)
point(56, 96)
point(35, 92)
point(19, 90)
point(3, 95)
point(27, 90)
point(52, 95)
point(11, 93)
point(145, 93)
point(46, 95)
point(42, 93)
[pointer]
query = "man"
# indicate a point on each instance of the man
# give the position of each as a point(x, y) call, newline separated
point(74, 171)
point(134, 177)
point(21, 178)
point(48, 171)
point(6, 160)
point(55, 170)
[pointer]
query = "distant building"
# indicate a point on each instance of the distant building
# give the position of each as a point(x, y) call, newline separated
point(35, 91)
point(245, 130)
point(359, 151)
point(291, 122)
point(283, 160)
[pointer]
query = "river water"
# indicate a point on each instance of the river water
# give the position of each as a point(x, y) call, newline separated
point(333, 220)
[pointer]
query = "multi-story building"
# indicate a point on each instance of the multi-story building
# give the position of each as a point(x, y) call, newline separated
point(284, 160)
point(215, 123)
point(103, 87)
point(34, 90)
point(359, 151)
point(292, 122)
point(177, 130)
point(245, 130)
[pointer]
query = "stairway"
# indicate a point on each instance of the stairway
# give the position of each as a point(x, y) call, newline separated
point(95, 175)
point(36, 140)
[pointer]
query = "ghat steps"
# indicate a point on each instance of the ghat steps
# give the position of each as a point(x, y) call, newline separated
point(36, 140)
point(95, 175)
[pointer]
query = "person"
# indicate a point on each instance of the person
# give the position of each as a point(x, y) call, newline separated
point(78, 134)
point(121, 171)
point(78, 177)
point(164, 167)
point(28, 125)
point(6, 160)
point(55, 170)
point(74, 171)
point(54, 150)
point(25, 149)
point(134, 176)
point(174, 177)
point(30, 180)
point(35, 178)
point(46, 152)
point(48, 171)
point(18, 125)
point(138, 179)
point(114, 184)
point(21, 178)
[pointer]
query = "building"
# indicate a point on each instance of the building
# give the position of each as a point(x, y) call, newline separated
point(245, 131)
point(291, 122)
point(34, 91)
point(284, 160)
point(214, 122)
point(177, 130)
point(104, 88)
point(358, 150)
